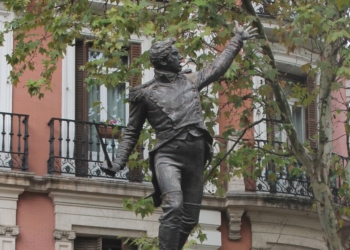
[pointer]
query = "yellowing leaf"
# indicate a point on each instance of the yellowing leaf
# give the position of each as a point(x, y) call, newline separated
point(305, 68)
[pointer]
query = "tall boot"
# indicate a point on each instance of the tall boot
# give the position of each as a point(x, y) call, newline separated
point(182, 240)
point(169, 228)
point(190, 218)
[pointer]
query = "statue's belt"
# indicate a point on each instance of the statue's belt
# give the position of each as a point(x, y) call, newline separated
point(181, 133)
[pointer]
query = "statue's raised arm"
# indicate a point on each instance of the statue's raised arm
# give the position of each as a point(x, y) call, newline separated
point(221, 64)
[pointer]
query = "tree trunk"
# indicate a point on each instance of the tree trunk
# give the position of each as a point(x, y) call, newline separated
point(318, 172)
point(326, 213)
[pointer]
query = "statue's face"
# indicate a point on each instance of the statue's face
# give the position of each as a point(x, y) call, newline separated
point(173, 62)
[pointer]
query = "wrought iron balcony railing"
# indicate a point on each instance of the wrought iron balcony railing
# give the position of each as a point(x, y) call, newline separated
point(279, 179)
point(76, 150)
point(14, 141)
point(282, 179)
point(336, 181)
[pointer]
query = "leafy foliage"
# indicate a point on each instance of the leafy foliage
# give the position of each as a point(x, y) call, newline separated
point(316, 32)
point(143, 207)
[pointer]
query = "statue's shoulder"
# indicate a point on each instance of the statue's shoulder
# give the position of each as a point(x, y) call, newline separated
point(189, 75)
point(136, 93)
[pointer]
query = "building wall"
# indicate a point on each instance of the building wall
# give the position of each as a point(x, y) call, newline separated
point(40, 112)
point(339, 102)
point(35, 216)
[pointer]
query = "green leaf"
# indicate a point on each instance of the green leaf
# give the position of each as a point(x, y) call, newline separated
point(271, 73)
point(347, 129)
point(96, 104)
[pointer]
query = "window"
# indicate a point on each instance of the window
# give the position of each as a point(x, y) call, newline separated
point(86, 151)
point(298, 120)
point(99, 243)
point(111, 102)
point(111, 99)
point(299, 113)
point(87, 243)
point(298, 116)
point(5, 87)
point(105, 104)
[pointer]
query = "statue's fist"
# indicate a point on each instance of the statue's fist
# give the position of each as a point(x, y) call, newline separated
point(110, 170)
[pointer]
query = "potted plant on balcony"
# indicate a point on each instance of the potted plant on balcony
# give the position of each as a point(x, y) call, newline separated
point(111, 129)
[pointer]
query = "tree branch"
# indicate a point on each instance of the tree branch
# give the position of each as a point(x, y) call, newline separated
point(302, 153)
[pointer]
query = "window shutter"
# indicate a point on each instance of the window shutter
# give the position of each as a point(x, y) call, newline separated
point(135, 52)
point(99, 243)
point(311, 115)
point(84, 243)
point(81, 109)
point(270, 125)
point(81, 95)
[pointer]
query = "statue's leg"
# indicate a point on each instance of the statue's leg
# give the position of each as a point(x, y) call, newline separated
point(170, 221)
point(190, 217)
point(179, 169)
point(169, 180)
point(192, 188)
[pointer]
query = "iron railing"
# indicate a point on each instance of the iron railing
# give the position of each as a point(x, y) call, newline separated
point(336, 181)
point(284, 182)
point(279, 179)
point(76, 150)
point(14, 141)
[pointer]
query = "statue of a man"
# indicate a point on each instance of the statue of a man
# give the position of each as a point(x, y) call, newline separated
point(171, 104)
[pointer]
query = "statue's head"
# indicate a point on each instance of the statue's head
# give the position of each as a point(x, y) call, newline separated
point(165, 56)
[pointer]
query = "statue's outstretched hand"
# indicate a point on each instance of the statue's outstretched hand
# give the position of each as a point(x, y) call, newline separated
point(245, 33)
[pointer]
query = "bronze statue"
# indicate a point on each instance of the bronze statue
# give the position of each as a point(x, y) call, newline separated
point(171, 104)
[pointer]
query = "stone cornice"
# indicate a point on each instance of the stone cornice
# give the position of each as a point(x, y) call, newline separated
point(16, 178)
point(54, 183)
point(51, 183)
point(92, 186)
point(62, 235)
point(47, 183)
point(214, 202)
point(265, 200)
point(9, 231)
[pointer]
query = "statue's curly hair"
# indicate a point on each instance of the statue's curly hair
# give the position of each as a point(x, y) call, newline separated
point(160, 50)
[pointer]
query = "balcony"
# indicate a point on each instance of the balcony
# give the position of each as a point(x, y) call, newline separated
point(336, 181)
point(14, 141)
point(291, 179)
point(75, 149)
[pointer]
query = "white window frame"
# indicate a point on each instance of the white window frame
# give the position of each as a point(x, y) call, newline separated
point(5, 84)
point(7, 48)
